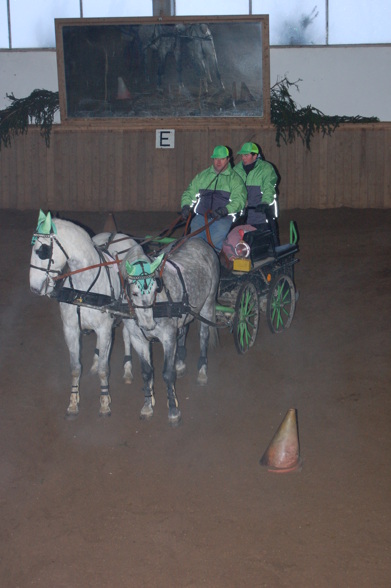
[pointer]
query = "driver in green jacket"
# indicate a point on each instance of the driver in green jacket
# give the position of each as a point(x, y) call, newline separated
point(261, 179)
point(217, 192)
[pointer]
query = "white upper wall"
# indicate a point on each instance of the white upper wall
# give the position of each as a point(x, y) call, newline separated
point(338, 80)
point(342, 80)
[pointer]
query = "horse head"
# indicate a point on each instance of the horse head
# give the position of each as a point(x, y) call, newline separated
point(142, 287)
point(48, 257)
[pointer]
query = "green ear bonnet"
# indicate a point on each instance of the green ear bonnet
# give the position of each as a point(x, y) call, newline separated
point(141, 272)
point(45, 226)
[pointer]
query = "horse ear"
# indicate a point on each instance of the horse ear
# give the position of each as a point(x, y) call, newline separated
point(130, 268)
point(47, 224)
point(155, 264)
point(41, 217)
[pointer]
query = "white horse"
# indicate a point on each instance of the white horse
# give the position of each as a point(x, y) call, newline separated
point(59, 243)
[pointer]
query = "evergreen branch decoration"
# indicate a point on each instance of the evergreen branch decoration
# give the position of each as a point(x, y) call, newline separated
point(39, 108)
point(292, 122)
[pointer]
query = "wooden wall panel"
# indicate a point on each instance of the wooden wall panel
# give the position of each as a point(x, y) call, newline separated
point(119, 169)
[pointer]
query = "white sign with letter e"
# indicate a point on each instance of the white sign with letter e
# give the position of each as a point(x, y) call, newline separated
point(165, 138)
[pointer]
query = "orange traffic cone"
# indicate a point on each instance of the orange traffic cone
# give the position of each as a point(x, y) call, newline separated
point(123, 92)
point(110, 225)
point(283, 454)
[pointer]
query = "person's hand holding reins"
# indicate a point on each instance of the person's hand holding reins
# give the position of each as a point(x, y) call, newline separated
point(220, 212)
point(185, 212)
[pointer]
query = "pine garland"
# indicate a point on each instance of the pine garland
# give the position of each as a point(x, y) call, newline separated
point(290, 122)
point(39, 108)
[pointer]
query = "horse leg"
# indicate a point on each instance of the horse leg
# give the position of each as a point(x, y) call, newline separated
point(143, 349)
point(169, 376)
point(128, 373)
point(104, 339)
point(95, 362)
point(180, 365)
point(202, 378)
point(72, 339)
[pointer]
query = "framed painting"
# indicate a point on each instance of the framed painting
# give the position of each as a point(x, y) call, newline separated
point(170, 68)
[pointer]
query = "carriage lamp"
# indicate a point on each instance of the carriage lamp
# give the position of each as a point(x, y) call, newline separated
point(242, 249)
point(242, 263)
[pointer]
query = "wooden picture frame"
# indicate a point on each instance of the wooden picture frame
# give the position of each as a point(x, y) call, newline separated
point(182, 71)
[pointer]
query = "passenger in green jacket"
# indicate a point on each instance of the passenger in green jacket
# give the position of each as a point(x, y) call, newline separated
point(260, 179)
point(219, 193)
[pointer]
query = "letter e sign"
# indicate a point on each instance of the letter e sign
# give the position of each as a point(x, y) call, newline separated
point(165, 138)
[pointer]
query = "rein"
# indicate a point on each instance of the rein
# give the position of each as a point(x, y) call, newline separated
point(84, 269)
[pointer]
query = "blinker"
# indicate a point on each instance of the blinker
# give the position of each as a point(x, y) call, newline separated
point(43, 252)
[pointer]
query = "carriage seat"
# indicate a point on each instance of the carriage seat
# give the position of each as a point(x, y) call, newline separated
point(261, 244)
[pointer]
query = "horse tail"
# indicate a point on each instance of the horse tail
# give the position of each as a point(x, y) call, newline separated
point(214, 339)
point(213, 332)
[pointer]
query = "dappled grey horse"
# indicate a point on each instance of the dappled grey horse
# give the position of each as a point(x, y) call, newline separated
point(166, 294)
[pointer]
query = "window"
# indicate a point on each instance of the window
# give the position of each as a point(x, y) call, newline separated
point(32, 22)
point(359, 21)
point(3, 25)
point(109, 8)
point(294, 22)
point(291, 22)
point(211, 7)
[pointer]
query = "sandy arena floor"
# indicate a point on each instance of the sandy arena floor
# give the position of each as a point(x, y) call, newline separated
point(116, 502)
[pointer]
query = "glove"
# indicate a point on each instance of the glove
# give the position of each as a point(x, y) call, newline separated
point(220, 212)
point(263, 207)
point(185, 212)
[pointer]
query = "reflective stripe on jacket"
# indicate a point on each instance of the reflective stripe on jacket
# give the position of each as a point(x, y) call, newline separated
point(210, 190)
point(261, 188)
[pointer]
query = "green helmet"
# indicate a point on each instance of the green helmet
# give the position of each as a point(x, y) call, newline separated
point(248, 148)
point(220, 152)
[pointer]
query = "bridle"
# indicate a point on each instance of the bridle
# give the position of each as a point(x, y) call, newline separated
point(46, 252)
point(144, 281)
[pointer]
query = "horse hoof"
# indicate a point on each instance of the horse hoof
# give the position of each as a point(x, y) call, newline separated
point(72, 411)
point(71, 416)
point(105, 409)
point(202, 379)
point(146, 413)
point(180, 369)
point(105, 413)
point(128, 380)
point(174, 417)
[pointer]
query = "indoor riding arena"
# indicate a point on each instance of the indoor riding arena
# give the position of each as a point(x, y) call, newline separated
point(277, 474)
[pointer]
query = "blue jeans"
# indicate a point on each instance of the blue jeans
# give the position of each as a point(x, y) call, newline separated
point(218, 230)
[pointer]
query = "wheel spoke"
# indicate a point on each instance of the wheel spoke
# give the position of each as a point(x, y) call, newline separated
point(246, 317)
point(281, 304)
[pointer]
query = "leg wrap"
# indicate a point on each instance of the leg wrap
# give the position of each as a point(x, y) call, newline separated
point(203, 360)
point(181, 353)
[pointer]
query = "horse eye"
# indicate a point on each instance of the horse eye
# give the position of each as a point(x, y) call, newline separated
point(43, 252)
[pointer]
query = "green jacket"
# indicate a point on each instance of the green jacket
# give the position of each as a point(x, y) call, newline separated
point(261, 188)
point(209, 190)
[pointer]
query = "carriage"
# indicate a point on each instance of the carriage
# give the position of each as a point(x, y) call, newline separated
point(259, 281)
point(157, 287)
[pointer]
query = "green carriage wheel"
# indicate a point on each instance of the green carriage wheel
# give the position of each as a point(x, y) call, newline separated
point(281, 303)
point(246, 319)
